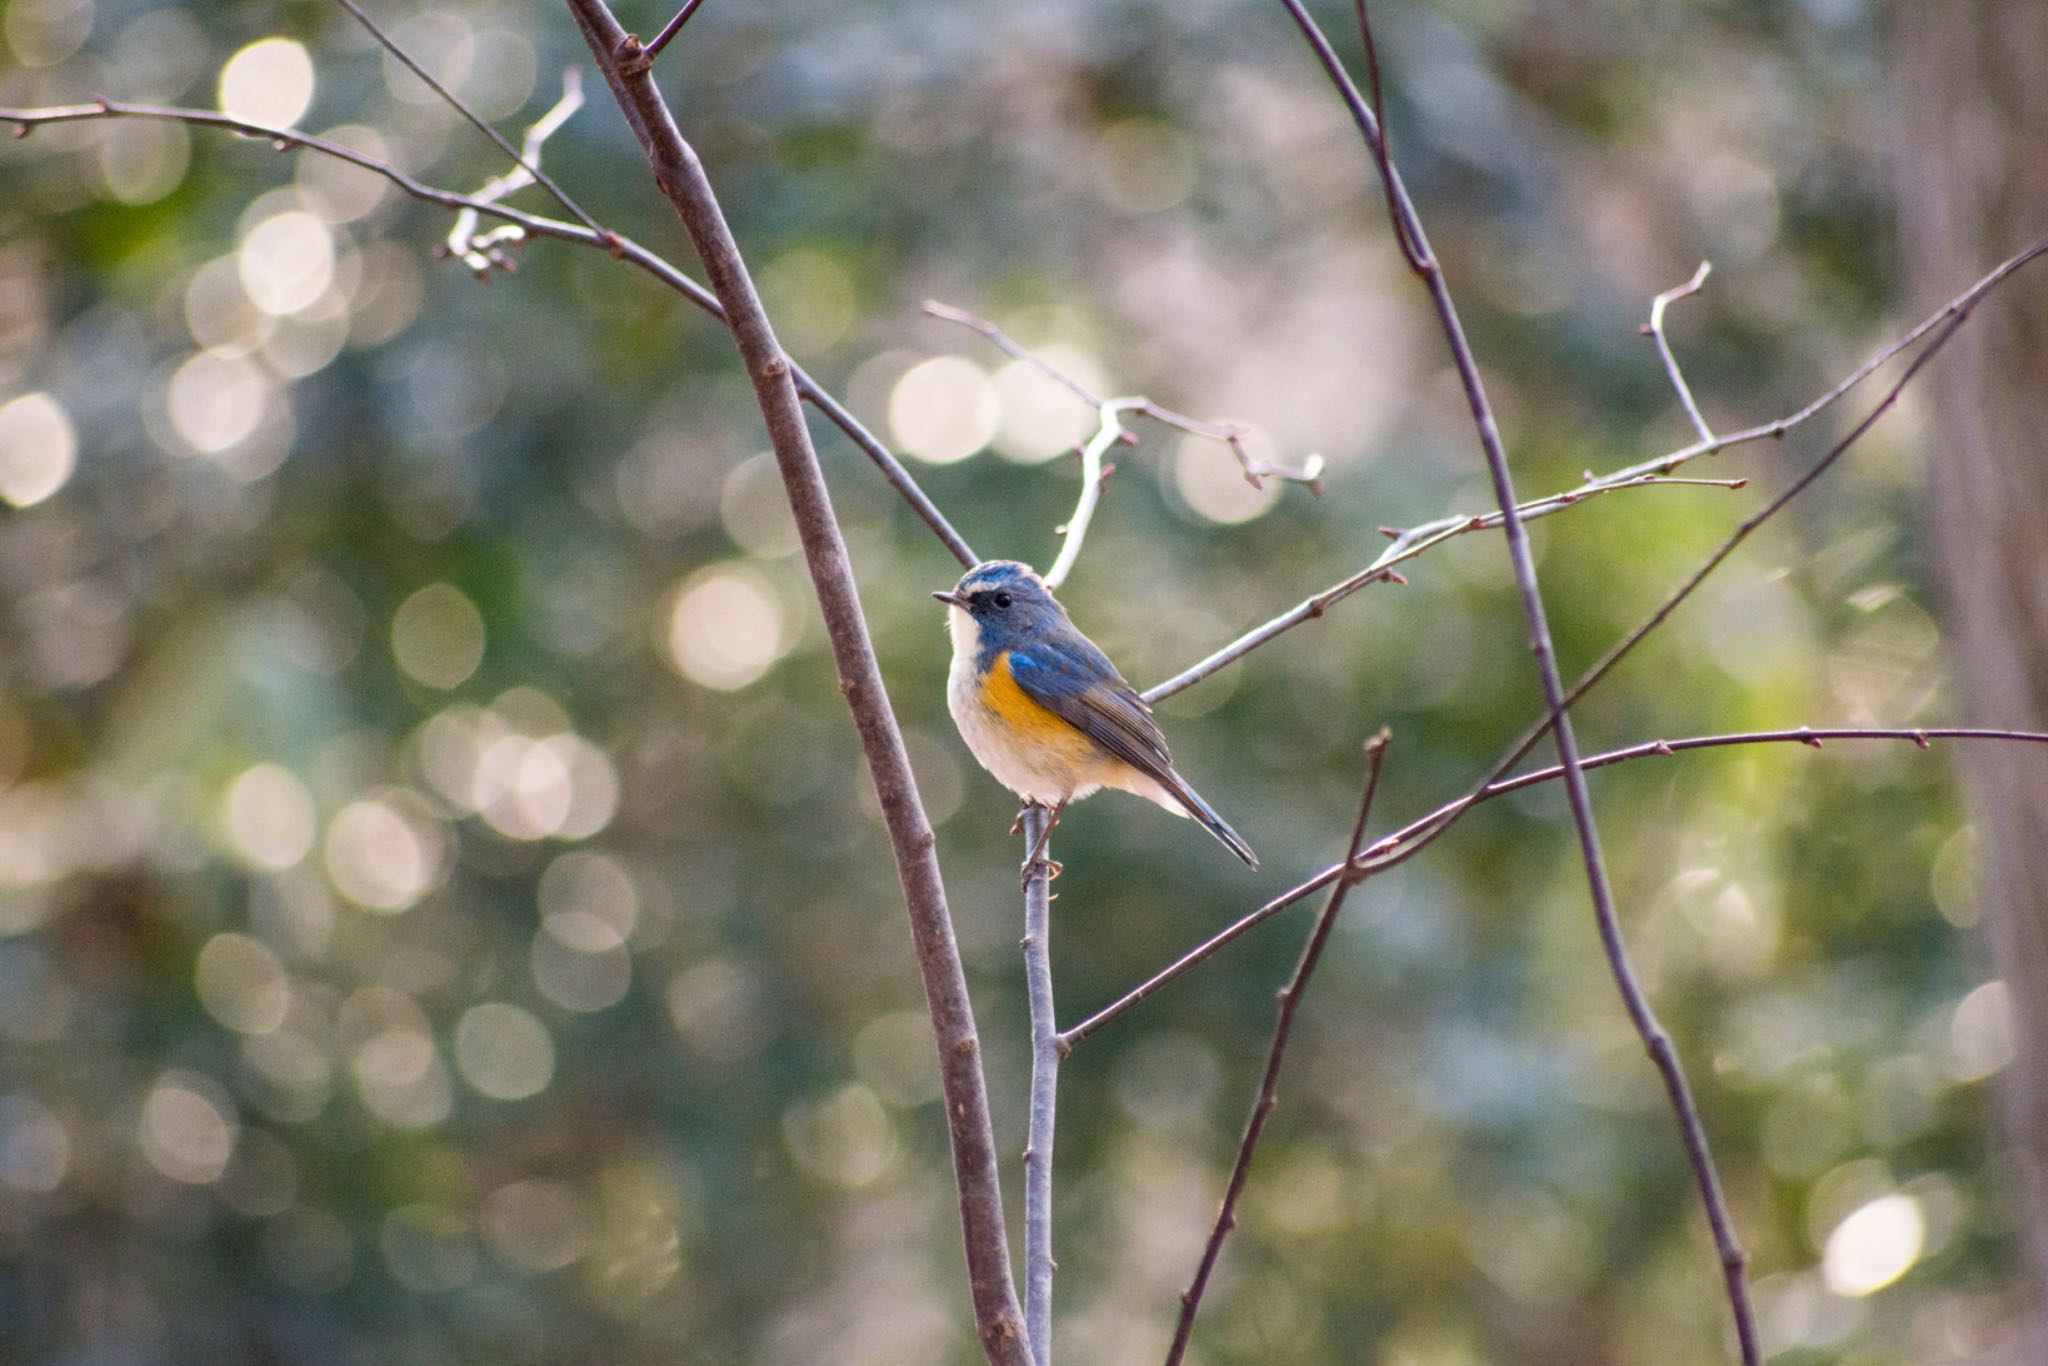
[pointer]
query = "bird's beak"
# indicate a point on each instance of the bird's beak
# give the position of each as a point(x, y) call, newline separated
point(951, 597)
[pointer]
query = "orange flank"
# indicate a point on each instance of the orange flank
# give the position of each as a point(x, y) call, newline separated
point(1031, 721)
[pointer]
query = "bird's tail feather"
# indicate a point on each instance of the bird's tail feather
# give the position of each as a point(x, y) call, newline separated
point(1210, 821)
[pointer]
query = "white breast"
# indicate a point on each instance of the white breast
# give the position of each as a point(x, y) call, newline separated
point(993, 742)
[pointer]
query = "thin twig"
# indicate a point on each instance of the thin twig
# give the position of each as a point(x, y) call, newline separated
point(1232, 434)
point(1382, 144)
point(1001, 341)
point(669, 31)
point(1045, 1081)
point(529, 163)
point(1412, 542)
point(1396, 848)
point(1953, 318)
point(1406, 546)
point(1093, 478)
point(1655, 330)
point(619, 247)
point(680, 176)
point(483, 253)
point(1413, 838)
point(1733, 1260)
point(1283, 1030)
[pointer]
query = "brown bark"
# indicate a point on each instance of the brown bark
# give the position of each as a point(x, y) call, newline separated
point(1973, 76)
point(681, 179)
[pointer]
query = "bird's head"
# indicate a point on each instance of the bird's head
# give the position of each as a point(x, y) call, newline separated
point(1006, 602)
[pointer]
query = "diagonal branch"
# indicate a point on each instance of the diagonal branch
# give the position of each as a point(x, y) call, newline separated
point(1111, 431)
point(482, 253)
point(1407, 545)
point(528, 161)
point(682, 180)
point(1733, 1260)
point(1415, 540)
point(1398, 847)
point(619, 247)
point(1283, 1030)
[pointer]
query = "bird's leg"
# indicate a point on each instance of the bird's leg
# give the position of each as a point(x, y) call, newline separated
point(1037, 856)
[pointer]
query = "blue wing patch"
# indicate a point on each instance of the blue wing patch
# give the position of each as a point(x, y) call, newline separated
point(1076, 682)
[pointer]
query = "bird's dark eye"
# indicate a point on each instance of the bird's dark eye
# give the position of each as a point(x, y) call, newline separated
point(1002, 599)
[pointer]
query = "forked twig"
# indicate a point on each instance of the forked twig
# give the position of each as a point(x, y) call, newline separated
point(529, 161)
point(1412, 542)
point(1111, 430)
point(647, 54)
point(1283, 1030)
point(483, 253)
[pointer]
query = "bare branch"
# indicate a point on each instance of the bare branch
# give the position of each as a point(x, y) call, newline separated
point(1001, 341)
point(1406, 546)
point(1423, 261)
point(680, 176)
point(1655, 331)
point(1283, 1029)
point(668, 32)
point(619, 247)
point(1093, 477)
point(1231, 434)
point(1398, 847)
point(1414, 541)
point(528, 163)
point(482, 253)
point(1046, 1054)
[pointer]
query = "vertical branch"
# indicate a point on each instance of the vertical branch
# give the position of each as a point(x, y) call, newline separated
point(1734, 1262)
point(681, 178)
point(1046, 1053)
point(1283, 1030)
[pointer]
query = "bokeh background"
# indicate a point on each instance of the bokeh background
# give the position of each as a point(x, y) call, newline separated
point(442, 912)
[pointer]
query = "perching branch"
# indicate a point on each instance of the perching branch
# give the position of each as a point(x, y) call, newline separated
point(1402, 844)
point(681, 178)
point(617, 246)
point(1046, 1054)
point(1283, 1030)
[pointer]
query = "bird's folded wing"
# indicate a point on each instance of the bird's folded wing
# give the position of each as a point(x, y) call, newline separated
point(1106, 710)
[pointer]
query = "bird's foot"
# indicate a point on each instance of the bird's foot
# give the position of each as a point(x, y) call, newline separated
point(1031, 865)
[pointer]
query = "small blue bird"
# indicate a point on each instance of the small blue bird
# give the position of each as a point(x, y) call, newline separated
point(1045, 711)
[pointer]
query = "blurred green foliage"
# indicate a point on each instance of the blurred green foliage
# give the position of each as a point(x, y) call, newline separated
point(442, 913)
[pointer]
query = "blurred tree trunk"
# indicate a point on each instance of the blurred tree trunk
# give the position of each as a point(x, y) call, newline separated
point(1973, 77)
